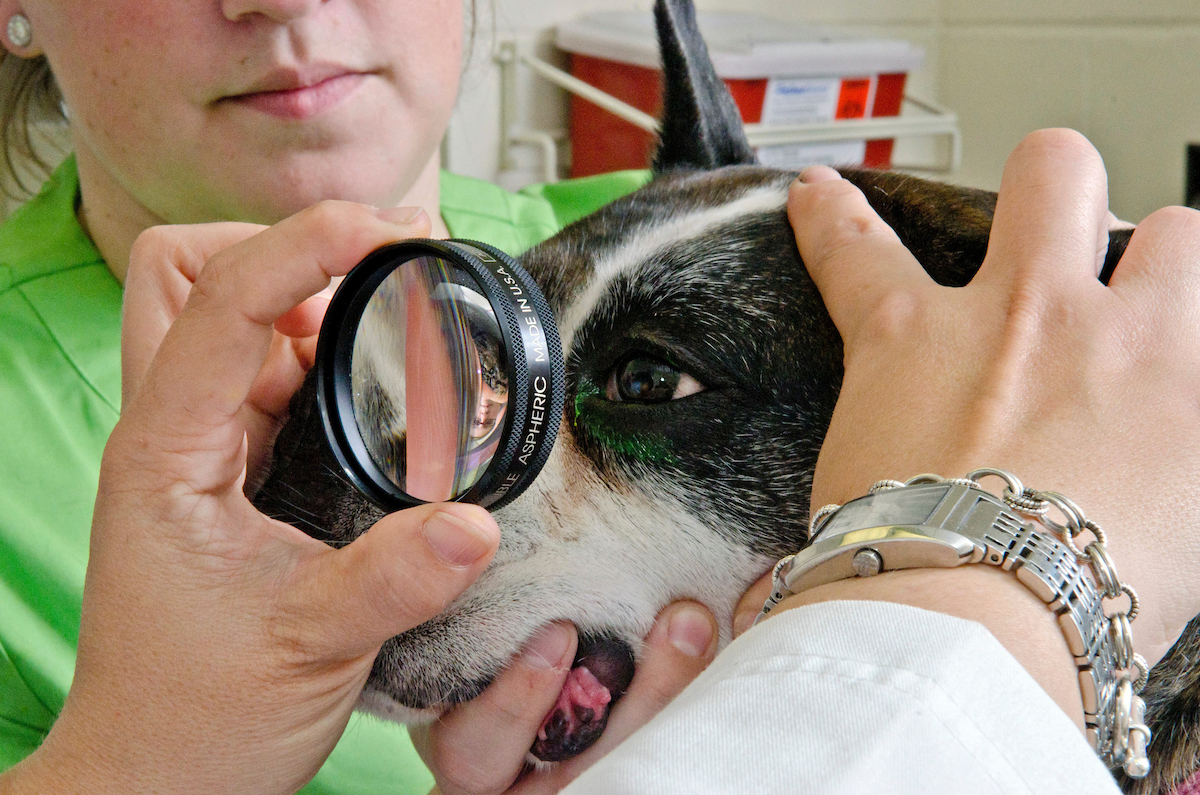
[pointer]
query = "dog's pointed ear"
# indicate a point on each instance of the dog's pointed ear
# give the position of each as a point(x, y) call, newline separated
point(701, 126)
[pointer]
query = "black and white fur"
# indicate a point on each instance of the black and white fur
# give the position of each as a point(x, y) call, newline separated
point(692, 494)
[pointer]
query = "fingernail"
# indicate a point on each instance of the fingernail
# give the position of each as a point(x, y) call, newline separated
point(456, 541)
point(548, 648)
point(742, 622)
point(399, 215)
point(690, 631)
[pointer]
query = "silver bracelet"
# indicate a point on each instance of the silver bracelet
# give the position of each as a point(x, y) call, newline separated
point(930, 521)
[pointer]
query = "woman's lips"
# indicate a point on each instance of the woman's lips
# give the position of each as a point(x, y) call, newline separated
point(304, 102)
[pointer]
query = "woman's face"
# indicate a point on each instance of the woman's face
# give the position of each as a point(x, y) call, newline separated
point(204, 110)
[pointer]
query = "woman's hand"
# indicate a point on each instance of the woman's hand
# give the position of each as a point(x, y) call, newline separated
point(164, 265)
point(481, 747)
point(1035, 367)
point(222, 651)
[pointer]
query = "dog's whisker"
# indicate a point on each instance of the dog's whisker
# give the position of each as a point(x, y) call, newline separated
point(291, 515)
point(337, 475)
point(292, 488)
point(292, 519)
point(293, 506)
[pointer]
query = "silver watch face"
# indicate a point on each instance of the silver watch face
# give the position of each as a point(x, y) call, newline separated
point(908, 506)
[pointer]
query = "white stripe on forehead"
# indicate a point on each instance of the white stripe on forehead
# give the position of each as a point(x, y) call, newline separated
point(644, 243)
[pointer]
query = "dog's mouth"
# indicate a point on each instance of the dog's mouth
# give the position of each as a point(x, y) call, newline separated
point(601, 673)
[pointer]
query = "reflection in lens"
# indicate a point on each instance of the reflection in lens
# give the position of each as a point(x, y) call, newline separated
point(429, 381)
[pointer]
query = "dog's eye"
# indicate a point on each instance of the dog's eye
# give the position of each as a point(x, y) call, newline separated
point(645, 379)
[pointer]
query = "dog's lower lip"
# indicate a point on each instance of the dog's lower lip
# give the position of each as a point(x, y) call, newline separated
point(601, 673)
point(302, 102)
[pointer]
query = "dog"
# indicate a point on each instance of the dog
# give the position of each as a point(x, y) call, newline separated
point(702, 372)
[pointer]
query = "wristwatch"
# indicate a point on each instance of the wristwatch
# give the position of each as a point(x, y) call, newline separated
point(953, 523)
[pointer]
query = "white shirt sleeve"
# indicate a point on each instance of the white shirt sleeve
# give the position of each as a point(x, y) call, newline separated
point(857, 697)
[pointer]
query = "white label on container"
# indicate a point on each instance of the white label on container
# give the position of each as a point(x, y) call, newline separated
point(825, 153)
point(800, 100)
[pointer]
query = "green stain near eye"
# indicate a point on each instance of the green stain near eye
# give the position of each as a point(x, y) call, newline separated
point(649, 448)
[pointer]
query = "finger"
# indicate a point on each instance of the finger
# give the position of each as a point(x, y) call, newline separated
point(402, 572)
point(304, 320)
point(266, 408)
point(1051, 216)
point(209, 360)
point(1115, 223)
point(815, 174)
point(306, 351)
point(291, 356)
point(163, 265)
point(282, 373)
point(854, 258)
point(751, 604)
point(1161, 257)
point(481, 746)
point(681, 644)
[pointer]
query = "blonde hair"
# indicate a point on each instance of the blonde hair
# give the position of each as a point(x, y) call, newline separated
point(30, 106)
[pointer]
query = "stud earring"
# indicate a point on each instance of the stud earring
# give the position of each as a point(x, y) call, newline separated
point(19, 31)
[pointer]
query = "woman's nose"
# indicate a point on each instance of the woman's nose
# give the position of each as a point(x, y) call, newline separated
point(280, 11)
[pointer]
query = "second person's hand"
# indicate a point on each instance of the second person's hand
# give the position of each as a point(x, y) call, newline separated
point(480, 747)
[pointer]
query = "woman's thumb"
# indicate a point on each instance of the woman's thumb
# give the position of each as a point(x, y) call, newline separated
point(402, 572)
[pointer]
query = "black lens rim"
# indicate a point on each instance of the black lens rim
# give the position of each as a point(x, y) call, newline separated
point(537, 389)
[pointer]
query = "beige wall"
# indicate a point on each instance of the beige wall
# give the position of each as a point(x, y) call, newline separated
point(1124, 72)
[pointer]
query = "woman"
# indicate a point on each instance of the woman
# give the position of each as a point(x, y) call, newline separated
point(182, 112)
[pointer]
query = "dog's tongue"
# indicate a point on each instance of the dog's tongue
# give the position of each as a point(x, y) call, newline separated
point(602, 671)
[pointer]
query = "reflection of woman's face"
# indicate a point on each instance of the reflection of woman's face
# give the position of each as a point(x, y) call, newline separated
point(492, 384)
point(199, 110)
point(488, 411)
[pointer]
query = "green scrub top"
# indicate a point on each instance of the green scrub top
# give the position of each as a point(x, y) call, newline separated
point(60, 391)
